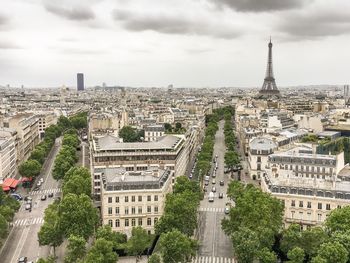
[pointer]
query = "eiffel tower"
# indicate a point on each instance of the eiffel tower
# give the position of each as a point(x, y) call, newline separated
point(269, 88)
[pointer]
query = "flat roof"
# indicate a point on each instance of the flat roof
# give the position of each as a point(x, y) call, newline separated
point(111, 143)
point(261, 143)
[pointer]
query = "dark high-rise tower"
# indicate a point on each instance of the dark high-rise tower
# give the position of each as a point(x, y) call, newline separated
point(80, 81)
point(269, 87)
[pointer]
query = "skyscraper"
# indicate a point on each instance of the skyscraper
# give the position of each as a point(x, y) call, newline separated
point(80, 81)
point(269, 87)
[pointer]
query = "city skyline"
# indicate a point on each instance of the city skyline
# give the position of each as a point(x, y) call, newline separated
point(187, 43)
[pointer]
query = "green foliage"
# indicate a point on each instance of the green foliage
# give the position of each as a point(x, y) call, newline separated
point(76, 249)
point(155, 258)
point(65, 160)
point(130, 134)
point(310, 138)
point(332, 252)
point(3, 226)
point(138, 242)
point(78, 185)
point(101, 252)
point(79, 122)
point(335, 147)
point(231, 159)
point(71, 140)
point(338, 220)
point(30, 168)
point(267, 256)
point(50, 259)
point(246, 245)
point(38, 154)
point(77, 215)
point(184, 184)
point(177, 247)
point(296, 255)
point(108, 234)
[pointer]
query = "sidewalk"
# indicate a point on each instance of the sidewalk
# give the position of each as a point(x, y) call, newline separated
point(132, 260)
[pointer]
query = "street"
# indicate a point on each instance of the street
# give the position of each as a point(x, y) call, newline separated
point(23, 238)
point(215, 246)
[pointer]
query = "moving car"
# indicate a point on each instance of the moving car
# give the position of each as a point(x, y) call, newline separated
point(227, 210)
point(222, 183)
point(221, 195)
point(206, 183)
point(213, 189)
point(22, 260)
point(211, 197)
point(50, 195)
point(213, 182)
point(28, 206)
point(36, 188)
point(41, 180)
point(43, 198)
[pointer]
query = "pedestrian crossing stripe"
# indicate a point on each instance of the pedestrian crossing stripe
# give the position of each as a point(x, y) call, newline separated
point(28, 221)
point(211, 209)
point(46, 191)
point(203, 259)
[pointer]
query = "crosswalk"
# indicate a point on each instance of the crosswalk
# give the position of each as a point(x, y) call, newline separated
point(203, 259)
point(28, 221)
point(211, 209)
point(45, 191)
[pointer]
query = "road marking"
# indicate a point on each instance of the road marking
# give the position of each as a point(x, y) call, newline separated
point(46, 191)
point(20, 245)
point(207, 259)
point(211, 209)
point(27, 222)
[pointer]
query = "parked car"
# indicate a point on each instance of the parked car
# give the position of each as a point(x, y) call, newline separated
point(28, 206)
point(221, 195)
point(222, 183)
point(50, 195)
point(213, 182)
point(227, 210)
point(41, 180)
point(43, 198)
point(16, 196)
point(213, 189)
point(206, 183)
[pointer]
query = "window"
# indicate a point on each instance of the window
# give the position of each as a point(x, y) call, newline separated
point(110, 223)
point(301, 204)
point(156, 198)
point(117, 210)
point(156, 209)
point(126, 199)
point(308, 204)
point(149, 221)
point(140, 209)
point(328, 206)
point(319, 217)
point(109, 200)
point(292, 213)
point(126, 210)
point(133, 222)
point(293, 203)
point(133, 210)
point(301, 215)
point(140, 221)
point(109, 210)
point(338, 206)
point(155, 220)
point(149, 209)
point(117, 223)
point(308, 215)
point(117, 199)
point(149, 198)
point(127, 222)
point(140, 198)
point(133, 198)
point(259, 159)
point(319, 205)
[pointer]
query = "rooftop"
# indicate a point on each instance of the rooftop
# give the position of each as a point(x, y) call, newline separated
point(261, 143)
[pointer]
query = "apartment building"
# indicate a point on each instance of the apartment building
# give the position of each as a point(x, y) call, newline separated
point(45, 119)
point(274, 120)
point(131, 198)
point(7, 158)
point(153, 132)
point(309, 184)
point(26, 126)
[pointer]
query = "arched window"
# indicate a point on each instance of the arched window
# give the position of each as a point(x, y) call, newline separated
point(117, 223)
point(110, 222)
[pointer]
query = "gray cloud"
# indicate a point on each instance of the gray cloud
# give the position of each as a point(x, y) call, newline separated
point(70, 12)
point(315, 25)
point(261, 5)
point(4, 21)
point(174, 24)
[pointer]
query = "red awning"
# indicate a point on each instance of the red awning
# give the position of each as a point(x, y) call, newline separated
point(14, 183)
point(10, 182)
point(26, 179)
point(5, 188)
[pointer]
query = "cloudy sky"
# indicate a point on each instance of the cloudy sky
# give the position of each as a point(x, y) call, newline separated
point(195, 43)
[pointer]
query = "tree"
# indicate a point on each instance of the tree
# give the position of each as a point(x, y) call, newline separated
point(50, 259)
point(231, 159)
point(30, 168)
point(3, 226)
point(78, 216)
point(183, 184)
point(267, 256)
point(77, 170)
point(138, 242)
point(64, 123)
point(71, 140)
point(108, 234)
point(101, 252)
point(7, 212)
point(291, 238)
point(296, 255)
point(155, 258)
point(50, 232)
point(76, 249)
point(130, 134)
point(38, 154)
point(338, 220)
point(168, 127)
point(342, 238)
point(79, 122)
point(77, 185)
point(246, 245)
point(311, 239)
point(177, 247)
point(333, 252)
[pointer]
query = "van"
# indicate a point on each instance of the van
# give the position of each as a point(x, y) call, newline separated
point(211, 197)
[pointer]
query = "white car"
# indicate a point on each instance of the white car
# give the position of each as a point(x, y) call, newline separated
point(41, 180)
